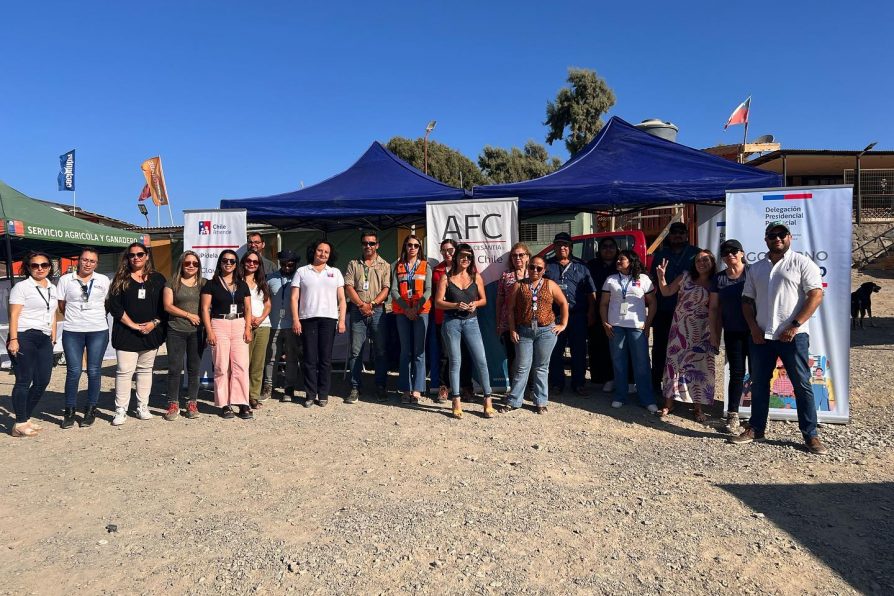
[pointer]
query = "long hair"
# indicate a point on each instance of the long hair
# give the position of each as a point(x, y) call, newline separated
point(403, 249)
point(218, 270)
point(122, 276)
point(636, 265)
point(312, 249)
point(260, 275)
point(26, 261)
point(175, 282)
point(516, 246)
point(467, 250)
point(693, 272)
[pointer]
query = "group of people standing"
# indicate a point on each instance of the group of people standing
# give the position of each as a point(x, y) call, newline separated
point(257, 320)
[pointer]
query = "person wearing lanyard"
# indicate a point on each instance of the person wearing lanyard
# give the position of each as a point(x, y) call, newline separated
point(533, 328)
point(82, 298)
point(136, 305)
point(573, 278)
point(284, 345)
point(252, 270)
point(516, 270)
point(410, 294)
point(627, 307)
point(367, 282)
point(32, 333)
point(226, 308)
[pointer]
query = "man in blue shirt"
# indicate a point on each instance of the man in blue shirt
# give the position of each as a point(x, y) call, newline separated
point(573, 278)
point(282, 340)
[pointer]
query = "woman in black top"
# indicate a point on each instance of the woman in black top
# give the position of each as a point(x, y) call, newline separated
point(226, 314)
point(135, 303)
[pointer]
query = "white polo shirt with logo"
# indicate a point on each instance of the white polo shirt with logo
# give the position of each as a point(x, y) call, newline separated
point(318, 291)
point(84, 314)
point(780, 290)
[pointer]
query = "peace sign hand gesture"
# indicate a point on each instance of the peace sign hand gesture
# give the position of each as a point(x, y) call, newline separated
point(661, 268)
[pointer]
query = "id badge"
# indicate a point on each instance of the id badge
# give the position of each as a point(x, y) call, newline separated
point(233, 310)
point(141, 294)
point(534, 307)
point(624, 308)
point(366, 285)
point(409, 292)
point(282, 314)
point(85, 306)
point(563, 287)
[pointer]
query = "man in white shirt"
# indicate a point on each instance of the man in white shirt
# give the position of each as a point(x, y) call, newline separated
point(781, 293)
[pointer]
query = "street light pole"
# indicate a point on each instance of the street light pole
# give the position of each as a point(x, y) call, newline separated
point(428, 129)
point(857, 184)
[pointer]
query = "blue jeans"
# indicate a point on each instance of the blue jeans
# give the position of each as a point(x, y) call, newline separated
point(73, 344)
point(627, 340)
point(361, 329)
point(533, 352)
point(575, 336)
point(411, 375)
point(34, 365)
point(794, 357)
point(456, 330)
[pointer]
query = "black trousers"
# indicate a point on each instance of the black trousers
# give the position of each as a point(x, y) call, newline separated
point(182, 344)
point(661, 327)
point(736, 344)
point(34, 365)
point(317, 337)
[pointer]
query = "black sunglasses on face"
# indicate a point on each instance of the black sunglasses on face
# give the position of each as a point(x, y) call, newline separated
point(728, 252)
point(136, 255)
point(190, 263)
point(228, 261)
point(535, 268)
point(251, 261)
point(413, 245)
point(368, 243)
point(39, 265)
point(776, 236)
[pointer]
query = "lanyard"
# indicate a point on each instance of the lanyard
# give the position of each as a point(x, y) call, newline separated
point(411, 272)
point(86, 289)
point(232, 292)
point(563, 271)
point(535, 291)
point(624, 286)
point(45, 300)
point(366, 270)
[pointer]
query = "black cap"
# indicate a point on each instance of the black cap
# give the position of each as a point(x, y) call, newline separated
point(677, 225)
point(777, 224)
point(731, 243)
point(287, 255)
point(562, 237)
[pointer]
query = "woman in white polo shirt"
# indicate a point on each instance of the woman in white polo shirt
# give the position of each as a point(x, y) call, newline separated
point(32, 332)
point(82, 297)
point(627, 307)
point(318, 311)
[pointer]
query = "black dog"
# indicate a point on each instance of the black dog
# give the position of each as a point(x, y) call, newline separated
point(861, 303)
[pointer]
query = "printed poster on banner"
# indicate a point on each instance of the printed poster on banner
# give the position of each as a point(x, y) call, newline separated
point(210, 231)
point(820, 222)
point(490, 226)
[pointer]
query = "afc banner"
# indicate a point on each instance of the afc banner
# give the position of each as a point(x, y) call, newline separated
point(820, 222)
point(490, 227)
point(210, 231)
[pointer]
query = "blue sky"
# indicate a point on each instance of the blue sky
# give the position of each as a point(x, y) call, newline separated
point(249, 99)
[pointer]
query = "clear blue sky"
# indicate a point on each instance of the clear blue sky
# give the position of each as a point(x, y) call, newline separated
point(245, 99)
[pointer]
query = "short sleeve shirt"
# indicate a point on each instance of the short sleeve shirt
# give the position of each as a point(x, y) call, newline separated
point(575, 282)
point(257, 306)
point(779, 291)
point(368, 282)
point(222, 298)
point(729, 294)
point(318, 291)
point(280, 295)
point(85, 303)
point(39, 305)
point(624, 289)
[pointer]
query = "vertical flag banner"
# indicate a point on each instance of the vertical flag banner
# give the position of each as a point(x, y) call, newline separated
point(145, 193)
point(155, 179)
point(820, 222)
point(711, 227)
point(66, 176)
point(490, 227)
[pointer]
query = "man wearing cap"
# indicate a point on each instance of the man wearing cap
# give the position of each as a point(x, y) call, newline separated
point(283, 342)
point(367, 283)
point(679, 254)
point(781, 293)
point(575, 281)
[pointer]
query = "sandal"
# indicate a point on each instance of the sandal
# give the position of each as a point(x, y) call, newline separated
point(457, 408)
point(23, 430)
point(457, 413)
point(442, 395)
point(489, 412)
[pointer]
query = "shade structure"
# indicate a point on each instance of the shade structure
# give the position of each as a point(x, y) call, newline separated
point(627, 168)
point(379, 190)
point(33, 225)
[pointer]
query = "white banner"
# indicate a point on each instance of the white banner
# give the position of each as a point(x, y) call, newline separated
point(820, 222)
point(210, 231)
point(711, 227)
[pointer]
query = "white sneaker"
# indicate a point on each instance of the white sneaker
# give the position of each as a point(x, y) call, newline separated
point(609, 387)
point(652, 408)
point(631, 388)
point(617, 404)
point(120, 417)
point(143, 412)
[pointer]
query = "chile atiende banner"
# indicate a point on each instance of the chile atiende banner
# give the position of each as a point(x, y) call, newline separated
point(490, 227)
point(820, 222)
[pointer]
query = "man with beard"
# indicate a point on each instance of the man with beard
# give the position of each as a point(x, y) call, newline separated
point(282, 340)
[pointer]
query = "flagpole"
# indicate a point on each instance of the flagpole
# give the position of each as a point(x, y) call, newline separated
point(74, 202)
point(744, 140)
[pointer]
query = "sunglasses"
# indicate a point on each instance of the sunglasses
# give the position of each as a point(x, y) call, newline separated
point(136, 255)
point(251, 261)
point(776, 236)
point(413, 245)
point(464, 257)
point(535, 268)
point(368, 243)
point(39, 265)
point(519, 255)
point(728, 252)
point(228, 261)
point(448, 251)
point(190, 263)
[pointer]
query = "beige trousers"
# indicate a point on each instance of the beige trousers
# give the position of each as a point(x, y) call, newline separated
point(129, 363)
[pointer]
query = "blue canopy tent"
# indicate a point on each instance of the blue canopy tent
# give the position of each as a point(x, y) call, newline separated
point(625, 168)
point(380, 190)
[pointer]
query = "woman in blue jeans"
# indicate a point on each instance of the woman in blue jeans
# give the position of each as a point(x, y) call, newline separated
point(410, 302)
point(627, 307)
point(460, 294)
point(533, 329)
point(82, 299)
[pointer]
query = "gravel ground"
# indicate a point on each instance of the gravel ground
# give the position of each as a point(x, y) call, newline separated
point(380, 498)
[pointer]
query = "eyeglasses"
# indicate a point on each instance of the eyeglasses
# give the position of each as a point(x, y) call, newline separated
point(190, 263)
point(252, 262)
point(776, 236)
point(39, 265)
point(519, 255)
point(464, 257)
point(413, 245)
point(228, 261)
point(448, 251)
point(136, 255)
point(368, 243)
point(253, 242)
point(535, 268)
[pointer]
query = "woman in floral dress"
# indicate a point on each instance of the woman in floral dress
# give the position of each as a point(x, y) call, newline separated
point(689, 372)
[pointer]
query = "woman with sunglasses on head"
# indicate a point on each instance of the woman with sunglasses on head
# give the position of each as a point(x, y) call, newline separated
point(533, 328)
point(460, 294)
point(516, 270)
point(82, 299)
point(181, 299)
point(136, 305)
point(725, 311)
point(410, 295)
point(32, 332)
point(689, 369)
point(226, 313)
point(252, 269)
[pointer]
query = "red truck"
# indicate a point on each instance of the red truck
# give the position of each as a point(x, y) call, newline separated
point(586, 246)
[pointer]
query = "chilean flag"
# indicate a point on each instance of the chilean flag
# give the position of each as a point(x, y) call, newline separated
point(740, 114)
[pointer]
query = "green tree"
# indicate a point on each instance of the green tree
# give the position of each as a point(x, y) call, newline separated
point(444, 163)
point(516, 165)
point(578, 108)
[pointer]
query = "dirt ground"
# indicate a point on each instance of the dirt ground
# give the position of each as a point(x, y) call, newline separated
point(381, 498)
